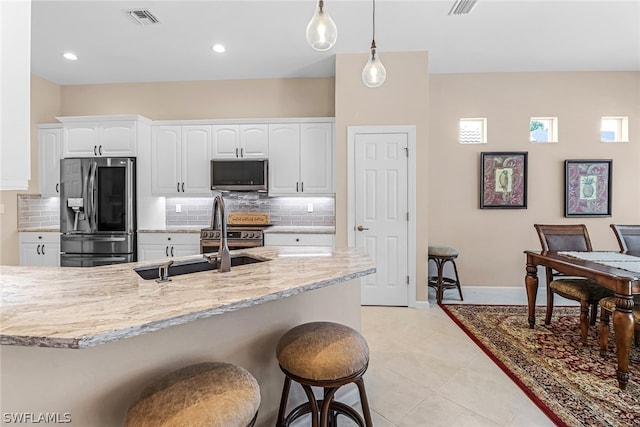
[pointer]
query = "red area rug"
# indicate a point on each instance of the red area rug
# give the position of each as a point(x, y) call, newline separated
point(572, 384)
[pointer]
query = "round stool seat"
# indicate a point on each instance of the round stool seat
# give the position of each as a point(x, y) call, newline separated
point(322, 351)
point(212, 394)
point(441, 251)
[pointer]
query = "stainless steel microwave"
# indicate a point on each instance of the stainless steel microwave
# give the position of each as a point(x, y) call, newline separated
point(239, 175)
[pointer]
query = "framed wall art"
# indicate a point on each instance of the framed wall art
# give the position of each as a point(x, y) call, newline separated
point(503, 180)
point(587, 189)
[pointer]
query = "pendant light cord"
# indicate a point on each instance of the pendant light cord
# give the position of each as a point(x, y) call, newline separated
point(373, 39)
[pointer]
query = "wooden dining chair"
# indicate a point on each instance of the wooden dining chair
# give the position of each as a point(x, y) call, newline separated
point(628, 236)
point(571, 237)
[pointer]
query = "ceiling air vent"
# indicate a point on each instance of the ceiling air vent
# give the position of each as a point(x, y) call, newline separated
point(462, 7)
point(143, 17)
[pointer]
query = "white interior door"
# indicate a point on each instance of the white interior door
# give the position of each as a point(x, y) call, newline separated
point(381, 214)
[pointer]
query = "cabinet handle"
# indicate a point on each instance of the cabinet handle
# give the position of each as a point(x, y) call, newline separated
point(38, 250)
point(100, 150)
point(297, 187)
point(172, 251)
point(236, 152)
point(57, 187)
point(302, 187)
point(178, 187)
point(42, 250)
point(166, 250)
point(183, 187)
point(242, 152)
point(95, 148)
point(297, 239)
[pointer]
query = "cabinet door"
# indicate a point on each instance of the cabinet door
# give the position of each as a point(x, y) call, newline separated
point(186, 250)
point(196, 160)
point(80, 139)
point(284, 158)
point(316, 158)
point(165, 160)
point(254, 141)
point(147, 252)
point(30, 254)
point(50, 149)
point(50, 254)
point(226, 141)
point(118, 138)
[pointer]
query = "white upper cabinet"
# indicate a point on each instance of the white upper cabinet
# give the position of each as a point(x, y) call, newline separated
point(300, 159)
point(180, 160)
point(101, 136)
point(240, 141)
point(50, 151)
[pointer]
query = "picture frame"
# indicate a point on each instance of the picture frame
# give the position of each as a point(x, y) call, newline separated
point(503, 180)
point(587, 190)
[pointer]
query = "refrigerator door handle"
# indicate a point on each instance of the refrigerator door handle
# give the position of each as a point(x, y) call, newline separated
point(93, 168)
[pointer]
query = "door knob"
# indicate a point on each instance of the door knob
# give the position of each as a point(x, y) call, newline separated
point(361, 228)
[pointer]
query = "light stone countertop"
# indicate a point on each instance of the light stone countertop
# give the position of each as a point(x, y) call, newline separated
point(75, 307)
point(39, 229)
point(184, 229)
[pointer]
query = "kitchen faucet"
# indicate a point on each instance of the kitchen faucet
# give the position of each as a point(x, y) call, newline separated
point(219, 222)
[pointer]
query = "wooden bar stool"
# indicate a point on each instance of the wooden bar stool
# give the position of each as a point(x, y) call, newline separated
point(213, 394)
point(327, 355)
point(441, 255)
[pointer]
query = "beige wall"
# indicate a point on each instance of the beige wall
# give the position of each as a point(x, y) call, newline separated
point(222, 99)
point(401, 100)
point(45, 106)
point(491, 241)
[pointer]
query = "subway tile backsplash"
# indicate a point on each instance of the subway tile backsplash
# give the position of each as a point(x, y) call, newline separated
point(35, 211)
point(288, 211)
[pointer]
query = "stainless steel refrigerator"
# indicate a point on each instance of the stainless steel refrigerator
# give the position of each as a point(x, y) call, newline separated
point(97, 211)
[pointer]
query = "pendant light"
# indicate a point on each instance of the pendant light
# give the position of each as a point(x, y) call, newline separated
point(321, 30)
point(374, 74)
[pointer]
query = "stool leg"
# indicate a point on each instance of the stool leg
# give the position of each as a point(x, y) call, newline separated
point(283, 402)
point(440, 288)
point(327, 417)
point(313, 403)
point(364, 403)
point(455, 270)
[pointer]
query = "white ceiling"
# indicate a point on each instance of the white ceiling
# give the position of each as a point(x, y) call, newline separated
point(266, 39)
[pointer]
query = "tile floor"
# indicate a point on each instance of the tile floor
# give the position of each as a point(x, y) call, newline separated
point(425, 371)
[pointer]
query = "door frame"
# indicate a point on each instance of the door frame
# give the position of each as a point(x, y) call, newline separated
point(410, 131)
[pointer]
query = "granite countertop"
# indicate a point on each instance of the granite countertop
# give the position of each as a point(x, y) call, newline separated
point(40, 229)
point(180, 229)
point(302, 229)
point(73, 307)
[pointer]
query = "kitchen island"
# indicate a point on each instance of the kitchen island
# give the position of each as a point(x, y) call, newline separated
point(80, 343)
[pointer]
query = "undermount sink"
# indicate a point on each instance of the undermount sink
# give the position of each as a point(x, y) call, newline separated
point(149, 272)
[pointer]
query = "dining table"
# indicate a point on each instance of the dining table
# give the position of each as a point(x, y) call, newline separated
point(619, 272)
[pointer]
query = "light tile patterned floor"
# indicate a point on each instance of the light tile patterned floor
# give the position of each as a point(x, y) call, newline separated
point(424, 371)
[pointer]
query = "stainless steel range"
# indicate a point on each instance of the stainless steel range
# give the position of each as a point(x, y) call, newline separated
point(238, 237)
point(244, 230)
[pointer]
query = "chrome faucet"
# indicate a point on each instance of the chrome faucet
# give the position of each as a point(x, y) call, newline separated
point(219, 222)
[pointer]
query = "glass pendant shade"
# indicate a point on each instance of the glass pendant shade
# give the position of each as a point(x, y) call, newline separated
point(374, 73)
point(322, 32)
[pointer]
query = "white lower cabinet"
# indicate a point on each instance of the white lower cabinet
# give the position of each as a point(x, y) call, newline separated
point(167, 245)
point(298, 239)
point(40, 248)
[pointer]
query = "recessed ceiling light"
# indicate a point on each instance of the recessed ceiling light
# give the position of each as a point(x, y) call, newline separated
point(218, 48)
point(70, 56)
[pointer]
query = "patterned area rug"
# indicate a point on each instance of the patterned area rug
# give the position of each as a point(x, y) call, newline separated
point(572, 384)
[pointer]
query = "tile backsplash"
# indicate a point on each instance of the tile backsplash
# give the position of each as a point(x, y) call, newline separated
point(288, 211)
point(35, 211)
